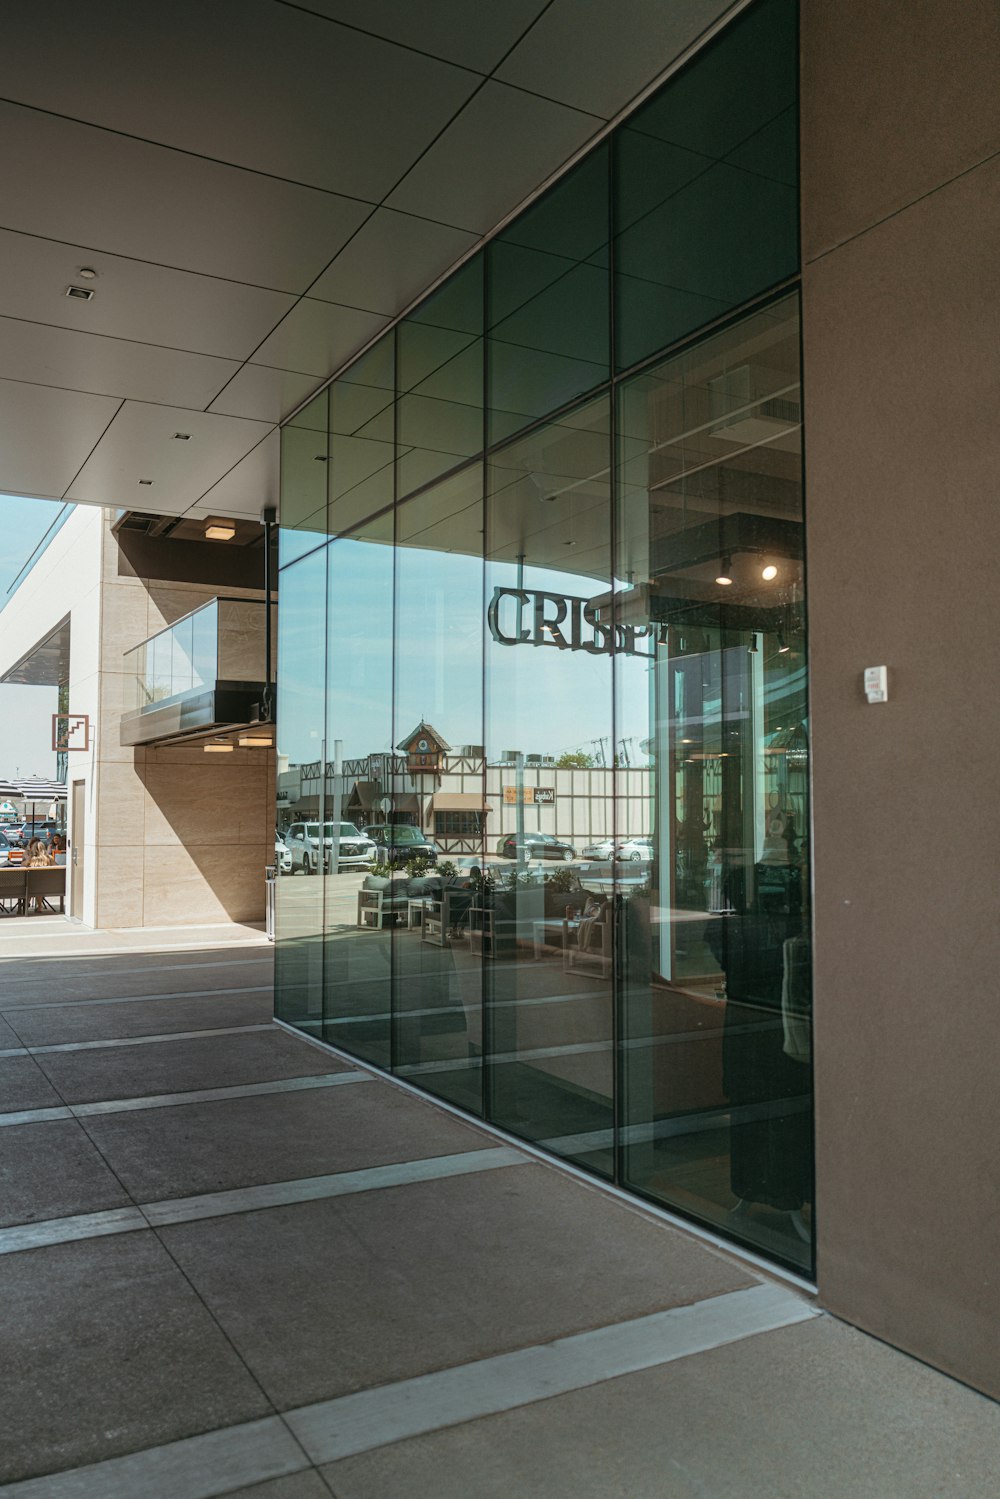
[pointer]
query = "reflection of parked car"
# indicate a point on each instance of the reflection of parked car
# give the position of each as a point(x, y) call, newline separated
point(635, 849)
point(303, 843)
point(602, 849)
point(396, 843)
point(5, 847)
point(282, 855)
point(535, 846)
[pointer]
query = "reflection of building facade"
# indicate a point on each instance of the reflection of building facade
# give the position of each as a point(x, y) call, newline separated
point(472, 803)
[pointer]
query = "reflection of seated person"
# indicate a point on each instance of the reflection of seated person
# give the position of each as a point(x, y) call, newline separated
point(764, 1050)
point(58, 849)
point(588, 934)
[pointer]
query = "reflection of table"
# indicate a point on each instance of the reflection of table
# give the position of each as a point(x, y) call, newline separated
point(551, 932)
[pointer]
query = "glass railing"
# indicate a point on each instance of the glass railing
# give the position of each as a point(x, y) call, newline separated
point(222, 641)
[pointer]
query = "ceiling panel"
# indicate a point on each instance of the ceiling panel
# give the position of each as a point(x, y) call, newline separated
point(109, 366)
point(248, 487)
point(85, 186)
point(298, 96)
point(439, 26)
point(135, 300)
point(316, 337)
point(503, 144)
point(390, 261)
point(140, 444)
point(45, 435)
point(597, 56)
point(264, 394)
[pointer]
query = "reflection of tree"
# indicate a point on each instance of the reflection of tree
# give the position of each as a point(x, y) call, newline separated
point(575, 759)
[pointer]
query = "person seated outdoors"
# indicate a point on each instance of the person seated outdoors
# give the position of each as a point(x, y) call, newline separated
point(39, 858)
point(57, 848)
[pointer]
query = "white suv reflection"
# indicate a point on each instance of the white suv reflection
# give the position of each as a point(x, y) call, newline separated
point(303, 843)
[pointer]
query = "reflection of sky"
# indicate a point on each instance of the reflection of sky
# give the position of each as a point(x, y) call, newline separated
point(541, 700)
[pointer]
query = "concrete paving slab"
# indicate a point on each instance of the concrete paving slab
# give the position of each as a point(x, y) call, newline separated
point(107, 1350)
point(339, 1295)
point(814, 1411)
point(23, 1085)
point(7, 1036)
point(46, 1025)
point(21, 996)
point(306, 1485)
point(52, 1170)
point(216, 1146)
point(172, 1066)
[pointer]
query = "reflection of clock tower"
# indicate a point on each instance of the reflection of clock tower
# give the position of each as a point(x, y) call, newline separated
point(424, 750)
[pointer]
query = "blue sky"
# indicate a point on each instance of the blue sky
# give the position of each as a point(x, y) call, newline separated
point(25, 712)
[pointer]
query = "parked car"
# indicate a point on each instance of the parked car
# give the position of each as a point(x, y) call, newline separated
point(282, 856)
point(536, 846)
point(5, 847)
point(396, 843)
point(303, 843)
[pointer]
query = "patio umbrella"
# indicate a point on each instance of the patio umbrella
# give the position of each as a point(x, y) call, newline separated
point(35, 789)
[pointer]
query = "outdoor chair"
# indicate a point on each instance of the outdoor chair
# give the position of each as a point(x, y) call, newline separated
point(46, 883)
point(12, 891)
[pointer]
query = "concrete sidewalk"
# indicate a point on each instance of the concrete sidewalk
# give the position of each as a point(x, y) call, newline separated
point(236, 1264)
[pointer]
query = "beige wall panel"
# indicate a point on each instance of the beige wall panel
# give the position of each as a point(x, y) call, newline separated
point(121, 805)
point(903, 453)
point(206, 804)
point(119, 886)
point(125, 607)
point(896, 99)
point(203, 885)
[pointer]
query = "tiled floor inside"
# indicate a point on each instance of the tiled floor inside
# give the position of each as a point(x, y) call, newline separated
point(236, 1264)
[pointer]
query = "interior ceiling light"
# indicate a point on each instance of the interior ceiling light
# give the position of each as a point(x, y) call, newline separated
point(255, 741)
point(87, 273)
point(220, 530)
point(724, 578)
point(145, 481)
point(182, 437)
point(81, 293)
point(782, 644)
point(218, 747)
point(769, 572)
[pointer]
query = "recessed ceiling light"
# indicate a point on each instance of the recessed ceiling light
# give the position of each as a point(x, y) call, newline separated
point(218, 747)
point(145, 481)
point(81, 293)
point(220, 530)
point(87, 273)
point(769, 572)
point(320, 458)
point(182, 437)
point(255, 741)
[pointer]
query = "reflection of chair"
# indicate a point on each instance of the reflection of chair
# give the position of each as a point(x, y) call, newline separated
point(42, 883)
point(12, 896)
point(587, 944)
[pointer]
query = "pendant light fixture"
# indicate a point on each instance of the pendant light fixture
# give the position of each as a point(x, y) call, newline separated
point(724, 578)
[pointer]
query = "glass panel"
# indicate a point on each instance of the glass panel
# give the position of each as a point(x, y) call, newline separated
point(716, 1010)
point(358, 969)
point(304, 455)
point(706, 203)
point(547, 931)
point(548, 301)
point(437, 956)
point(361, 444)
point(440, 412)
point(298, 954)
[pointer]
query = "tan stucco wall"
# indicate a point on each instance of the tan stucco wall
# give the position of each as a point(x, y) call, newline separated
point(901, 220)
point(181, 836)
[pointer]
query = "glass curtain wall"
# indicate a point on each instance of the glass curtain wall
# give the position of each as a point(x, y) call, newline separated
point(543, 676)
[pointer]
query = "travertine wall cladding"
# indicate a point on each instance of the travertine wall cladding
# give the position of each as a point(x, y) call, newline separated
point(182, 837)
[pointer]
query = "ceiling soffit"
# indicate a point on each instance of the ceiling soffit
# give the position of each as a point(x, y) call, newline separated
point(259, 188)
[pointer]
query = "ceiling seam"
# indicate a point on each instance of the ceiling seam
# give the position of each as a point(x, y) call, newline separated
point(93, 450)
point(229, 470)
